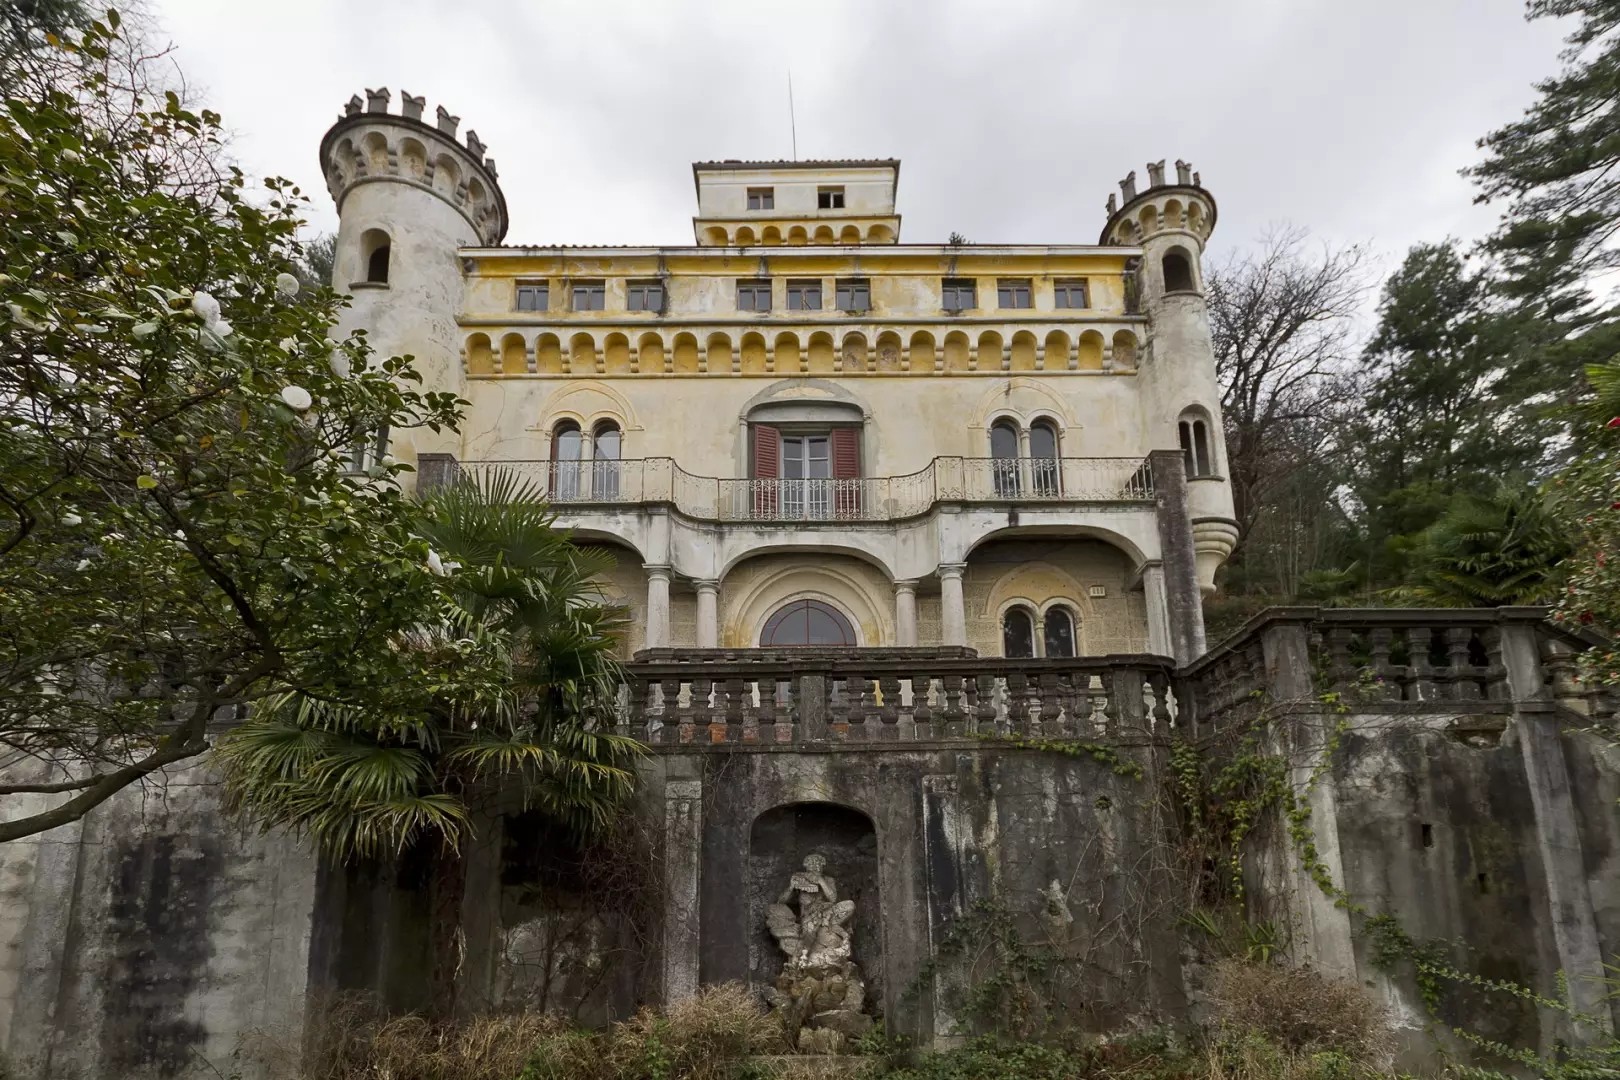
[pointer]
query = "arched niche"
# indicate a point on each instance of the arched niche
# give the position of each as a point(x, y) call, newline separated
point(779, 841)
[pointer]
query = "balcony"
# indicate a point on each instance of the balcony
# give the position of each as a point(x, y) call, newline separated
point(714, 697)
point(589, 485)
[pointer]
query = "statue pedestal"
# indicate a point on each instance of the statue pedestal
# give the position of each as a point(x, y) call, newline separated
point(821, 1005)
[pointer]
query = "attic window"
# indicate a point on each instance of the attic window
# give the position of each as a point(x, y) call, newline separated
point(830, 198)
point(761, 198)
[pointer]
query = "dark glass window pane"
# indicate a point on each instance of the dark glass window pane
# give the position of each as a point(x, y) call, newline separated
point(1042, 441)
point(569, 444)
point(1059, 633)
point(807, 622)
point(1003, 441)
point(1017, 634)
point(606, 444)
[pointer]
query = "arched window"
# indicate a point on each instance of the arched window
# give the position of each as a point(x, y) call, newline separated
point(1004, 458)
point(567, 446)
point(374, 246)
point(605, 447)
point(1178, 275)
point(1059, 632)
point(1195, 445)
point(1044, 473)
point(805, 623)
point(1017, 633)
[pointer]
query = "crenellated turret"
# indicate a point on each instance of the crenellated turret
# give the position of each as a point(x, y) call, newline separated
point(1181, 397)
point(409, 196)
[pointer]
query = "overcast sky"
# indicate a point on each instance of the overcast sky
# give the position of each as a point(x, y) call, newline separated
point(1014, 120)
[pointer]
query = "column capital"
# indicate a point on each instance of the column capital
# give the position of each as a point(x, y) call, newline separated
point(905, 585)
point(657, 570)
point(951, 569)
point(706, 585)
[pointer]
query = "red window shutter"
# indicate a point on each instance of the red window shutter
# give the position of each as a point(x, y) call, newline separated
point(846, 465)
point(767, 468)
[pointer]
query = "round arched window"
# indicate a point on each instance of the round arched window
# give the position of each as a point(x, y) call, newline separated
point(1059, 632)
point(807, 622)
point(1017, 633)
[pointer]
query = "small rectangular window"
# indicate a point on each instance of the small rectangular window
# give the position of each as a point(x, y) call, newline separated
point(958, 294)
point(1070, 293)
point(804, 294)
point(533, 297)
point(854, 294)
point(761, 198)
point(590, 295)
point(1013, 293)
point(644, 296)
point(753, 295)
point(830, 198)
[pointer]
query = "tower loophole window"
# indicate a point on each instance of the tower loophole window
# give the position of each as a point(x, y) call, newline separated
point(1178, 275)
point(375, 247)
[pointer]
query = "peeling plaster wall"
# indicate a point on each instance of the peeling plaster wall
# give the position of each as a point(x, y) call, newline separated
point(151, 938)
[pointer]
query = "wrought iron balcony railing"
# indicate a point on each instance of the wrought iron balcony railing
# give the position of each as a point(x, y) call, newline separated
point(870, 498)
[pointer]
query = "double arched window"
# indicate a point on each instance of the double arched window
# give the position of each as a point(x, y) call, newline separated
point(1023, 461)
point(585, 472)
point(1024, 634)
point(1196, 448)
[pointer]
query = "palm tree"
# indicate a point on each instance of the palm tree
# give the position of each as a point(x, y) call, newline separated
point(1488, 551)
point(369, 776)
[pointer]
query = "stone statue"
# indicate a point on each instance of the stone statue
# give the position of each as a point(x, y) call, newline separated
point(820, 990)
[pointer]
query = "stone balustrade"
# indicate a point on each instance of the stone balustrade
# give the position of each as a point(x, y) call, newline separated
point(1437, 660)
point(636, 481)
point(764, 697)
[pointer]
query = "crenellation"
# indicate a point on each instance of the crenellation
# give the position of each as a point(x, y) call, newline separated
point(448, 123)
point(377, 100)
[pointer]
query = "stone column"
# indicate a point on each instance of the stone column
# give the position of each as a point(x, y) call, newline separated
point(1158, 616)
point(952, 612)
point(436, 470)
point(905, 612)
point(708, 614)
point(1184, 603)
point(657, 606)
point(1558, 832)
point(683, 863)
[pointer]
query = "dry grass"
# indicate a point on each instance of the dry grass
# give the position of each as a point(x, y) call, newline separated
point(1299, 1011)
point(705, 1037)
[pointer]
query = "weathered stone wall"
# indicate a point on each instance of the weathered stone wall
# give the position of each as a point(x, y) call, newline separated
point(151, 938)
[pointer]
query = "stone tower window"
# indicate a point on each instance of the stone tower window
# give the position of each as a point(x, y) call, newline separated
point(374, 246)
point(1069, 292)
point(830, 198)
point(1013, 293)
point(761, 198)
point(534, 297)
point(1178, 275)
point(1195, 446)
point(958, 294)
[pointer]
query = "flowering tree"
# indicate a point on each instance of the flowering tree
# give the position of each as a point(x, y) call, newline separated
point(185, 525)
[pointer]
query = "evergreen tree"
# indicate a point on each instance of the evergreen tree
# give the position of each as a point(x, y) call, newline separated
point(1437, 420)
point(1555, 169)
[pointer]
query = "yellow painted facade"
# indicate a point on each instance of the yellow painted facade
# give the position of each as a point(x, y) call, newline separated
point(801, 406)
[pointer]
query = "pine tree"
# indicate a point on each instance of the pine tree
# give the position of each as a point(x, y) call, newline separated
point(1556, 172)
point(1439, 417)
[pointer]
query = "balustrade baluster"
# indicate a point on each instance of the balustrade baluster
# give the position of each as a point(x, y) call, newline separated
point(1419, 640)
point(1464, 675)
point(1341, 669)
point(1386, 682)
point(1044, 715)
point(1126, 711)
point(922, 711)
point(702, 705)
point(1159, 685)
point(1496, 685)
point(984, 712)
point(862, 709)
point(1017, 702)
point(889, 707)
point(633, 721)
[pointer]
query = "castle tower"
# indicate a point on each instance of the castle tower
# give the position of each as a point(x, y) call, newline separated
point(1180, 397)
point(409, 195)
